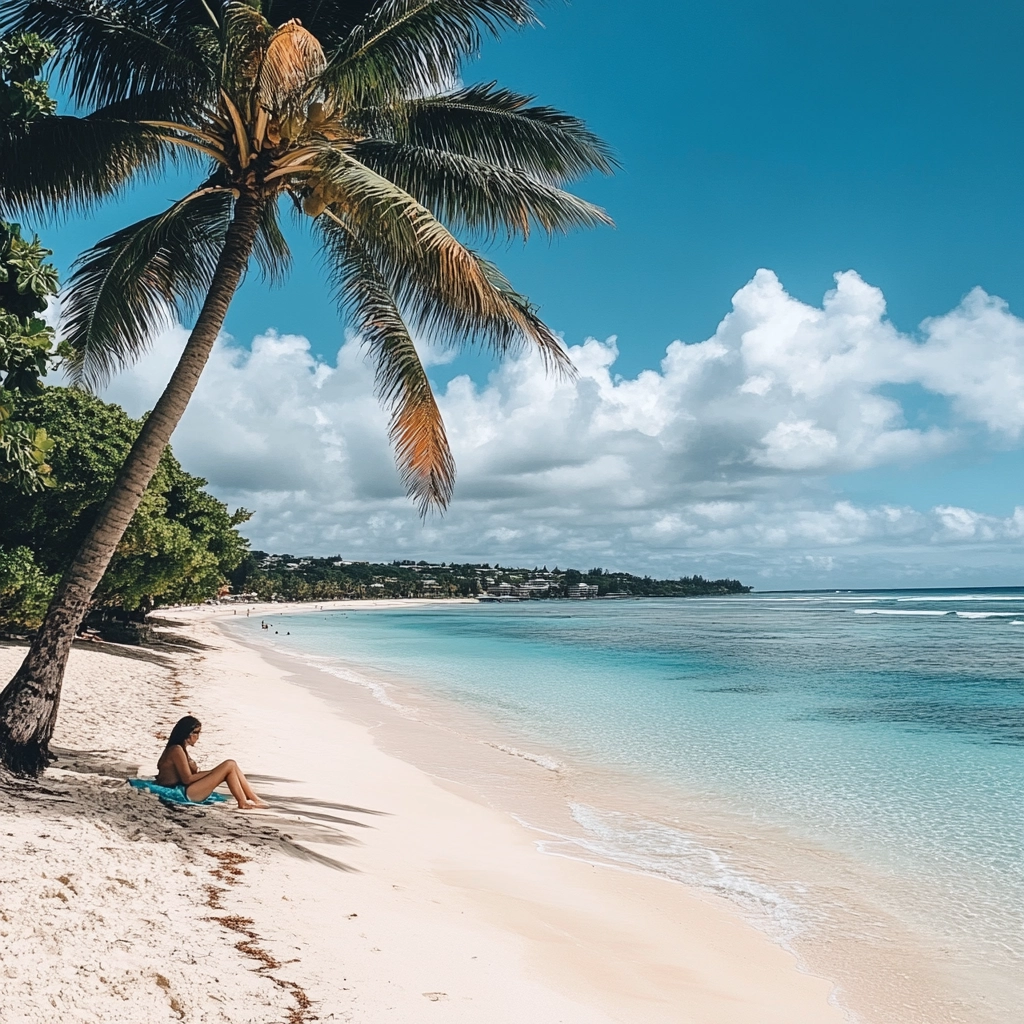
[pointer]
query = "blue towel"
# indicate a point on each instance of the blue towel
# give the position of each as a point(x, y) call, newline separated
point(174, 794)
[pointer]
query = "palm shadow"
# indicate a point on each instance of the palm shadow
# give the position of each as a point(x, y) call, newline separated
point(91, 785)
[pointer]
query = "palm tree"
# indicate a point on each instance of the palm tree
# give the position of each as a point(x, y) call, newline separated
point(350, 112)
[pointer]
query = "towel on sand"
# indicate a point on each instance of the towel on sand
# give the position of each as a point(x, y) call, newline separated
point(174, 794)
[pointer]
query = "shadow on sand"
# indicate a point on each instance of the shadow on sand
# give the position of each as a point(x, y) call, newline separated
point(91, 785)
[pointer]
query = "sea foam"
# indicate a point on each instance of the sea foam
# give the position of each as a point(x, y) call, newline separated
point(656, 848)
point(539, 759)
point(894, 611)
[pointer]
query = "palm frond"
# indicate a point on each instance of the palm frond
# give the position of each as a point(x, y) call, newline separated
point(56, 163)
point(154, 105)
point(330, 21)
point(416, 428)
point(498, 126)
point(471, 193)
point(130, 284)
point(446, 289)
point(271, 251)
point(187, 13)
point(409, 47)
point(110, 50)
point(246, 34)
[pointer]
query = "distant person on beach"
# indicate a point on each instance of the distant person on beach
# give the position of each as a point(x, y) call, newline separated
point(176, 769)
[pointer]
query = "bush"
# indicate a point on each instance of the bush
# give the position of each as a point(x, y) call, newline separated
point(25, 590)
point(181, 543)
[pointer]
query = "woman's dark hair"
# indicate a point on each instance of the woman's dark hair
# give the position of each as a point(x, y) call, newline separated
point(183, 728)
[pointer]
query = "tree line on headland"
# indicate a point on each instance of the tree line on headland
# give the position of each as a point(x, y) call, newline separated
point(287, 578)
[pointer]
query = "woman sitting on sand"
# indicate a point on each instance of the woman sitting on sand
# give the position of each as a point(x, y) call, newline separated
point(177, 770)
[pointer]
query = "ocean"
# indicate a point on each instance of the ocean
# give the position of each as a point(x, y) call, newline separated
point(846, 767)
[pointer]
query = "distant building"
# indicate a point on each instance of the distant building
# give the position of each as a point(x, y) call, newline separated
point(582, 591)
point(499, 592)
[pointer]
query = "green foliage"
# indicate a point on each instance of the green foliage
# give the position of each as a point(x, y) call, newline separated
point(646, 586)
point(23, 97)
point(26, 354)
point(25, 590)
point(109, 299)
point(26, 280)
point(179, 546)
point(24, 450)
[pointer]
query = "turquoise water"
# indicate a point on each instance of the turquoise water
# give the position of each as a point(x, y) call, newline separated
point(886, 727)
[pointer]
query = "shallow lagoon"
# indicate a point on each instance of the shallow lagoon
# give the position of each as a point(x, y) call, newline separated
point(887, 728)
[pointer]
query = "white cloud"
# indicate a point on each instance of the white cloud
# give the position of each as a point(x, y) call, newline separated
point(797, 445)
point(720, 457)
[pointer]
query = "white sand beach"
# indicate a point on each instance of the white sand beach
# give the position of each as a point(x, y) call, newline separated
point(371, 891)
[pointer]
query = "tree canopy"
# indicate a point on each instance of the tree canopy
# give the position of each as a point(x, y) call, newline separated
point(27, 281)
point(23, 95)
point(27, 352)
point(180, 546)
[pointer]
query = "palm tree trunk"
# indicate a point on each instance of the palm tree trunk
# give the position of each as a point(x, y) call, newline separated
point(29, 702)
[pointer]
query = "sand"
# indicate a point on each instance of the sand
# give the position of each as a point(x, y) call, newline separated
point(371, 891)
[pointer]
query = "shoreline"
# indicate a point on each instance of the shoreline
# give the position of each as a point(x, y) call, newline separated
point(829, 910)
point(447, 901)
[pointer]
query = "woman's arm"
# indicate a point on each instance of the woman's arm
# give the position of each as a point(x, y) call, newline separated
point(194, 769)
point(184, 766)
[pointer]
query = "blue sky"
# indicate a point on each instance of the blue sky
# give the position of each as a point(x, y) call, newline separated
point(805, 138)
point(797, 136)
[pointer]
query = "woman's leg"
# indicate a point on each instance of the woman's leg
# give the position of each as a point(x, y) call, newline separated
point(226, 771)
point(247, 789)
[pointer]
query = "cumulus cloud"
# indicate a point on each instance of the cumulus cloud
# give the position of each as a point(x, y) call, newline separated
point(717, 459)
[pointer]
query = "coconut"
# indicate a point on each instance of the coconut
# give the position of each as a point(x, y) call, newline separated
point(314, 204)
